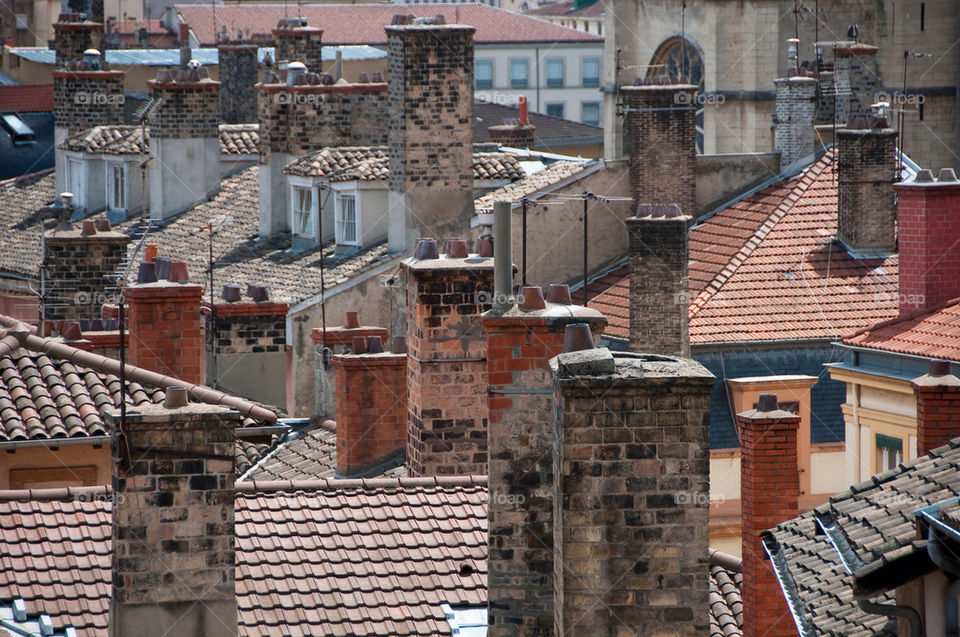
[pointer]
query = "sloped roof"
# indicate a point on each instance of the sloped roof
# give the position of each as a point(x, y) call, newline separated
point(726, 602)
point(337, 557)
point(876, 520)
point(26, 98)
point(540, 181)
point(205, 56)
point(235, 139)
point(568, 9)
point(551, 132)
point(767, 269)
point(20, 198)
point(239, 139)
point(364, 23)
point(931, 334)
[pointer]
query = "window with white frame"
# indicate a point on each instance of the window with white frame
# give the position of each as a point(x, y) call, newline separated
point(116, 186)
point(889, 452)
point(518, 73)
point(554, 72)
point(303, 222)
point(346, 220)
point(590, 72)
point(76, 180)
point(590, 113)
point(483, 74)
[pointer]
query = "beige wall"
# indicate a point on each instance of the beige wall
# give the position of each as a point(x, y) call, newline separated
point(68, 466)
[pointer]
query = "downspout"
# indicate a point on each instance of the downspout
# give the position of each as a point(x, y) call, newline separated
point(895, 612)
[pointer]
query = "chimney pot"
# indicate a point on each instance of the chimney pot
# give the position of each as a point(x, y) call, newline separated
point(362, 78)
point(163, 267)
point(88, 228)
point(947, 175)
point(457, 248)
point(359, 345)
point(576, 337)
point(96, 325)
point(71, 331)
point(531, 297)
point(398, 345)
point(102, 225)
point(230, 293)
point(767, 402)
point(374, 344)
point(377, 77)
point(147, 273)
point(485, 247)
point(939, 368)
point(559, 293)
point(426, 249)
point(924, 176)
point(175, 396)
point(179, 272)
point(351, 320)
point(150, 252)
point(258, 293)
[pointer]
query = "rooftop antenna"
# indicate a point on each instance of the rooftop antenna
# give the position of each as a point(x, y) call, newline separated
point(144, 113)
point(683, 59)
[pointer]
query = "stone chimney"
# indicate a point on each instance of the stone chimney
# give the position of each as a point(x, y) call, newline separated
point(929, 263)
point(631, 480)
point(866, 170)
point(938, 406)
point(794, 120)
point(447, 370)
point(165, 334)
point(185, 140)
point(81, 265)
point(431, 136)
point(371, 410)
point(520, 343)
point(855, 81)
point(769, 495)
point(661, 126)
point(294, 41)
point(173, 522)
point(237, 72)
point(659, 297)
point(515, 135)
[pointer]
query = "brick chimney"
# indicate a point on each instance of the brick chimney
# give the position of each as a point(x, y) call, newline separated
point(929, 263)
point(795, 111)
point(371, 410)
point(769, 494)
point(294, 41)
point(338, 340)
point(185, 141)
point(938, 407)
point(658, 280)
point(515, 135)
point(173, 522)
point(447, 370)
point(855, 81)
point(165, 335)
point(867, 168)
point(431, 136)
point(520, 343)
point(631, 479)
point(237, 72)
point(662, 143)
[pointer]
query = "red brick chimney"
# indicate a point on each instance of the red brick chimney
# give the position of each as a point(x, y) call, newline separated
point(165, 334)
point(371, 410)
point(938, 407)
point(515, 135)
point(520, 343)
point(769, 495)
point(928, 235)
point(447, 371)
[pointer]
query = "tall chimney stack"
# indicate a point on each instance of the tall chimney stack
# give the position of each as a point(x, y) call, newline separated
point(431, 136)
point(769, 495)
point(631, 480)
point(867, 157)
point(295, 41)
point(237, 69)
point(855, 81)
point(659, 282)
point(794, 119)
point(661, 119)
point(515, 135)
point(173, 552)
point(938, 406)
point(928, 235)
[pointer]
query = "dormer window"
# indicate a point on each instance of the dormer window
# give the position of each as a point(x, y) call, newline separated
point(116, 186)
point(304, 213)
point(346, 220)
point(77, 182)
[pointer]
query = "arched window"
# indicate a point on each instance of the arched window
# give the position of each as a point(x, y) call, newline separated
point(679, 58)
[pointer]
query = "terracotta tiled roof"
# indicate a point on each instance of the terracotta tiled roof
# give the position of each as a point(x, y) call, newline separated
point(554, 174)
point(364, 23)
point(931, 334)
point(370, 163)
point(248, 453)
point(767, 268)
point(567, 9)
point(339, 557)
point(20, 199)
point(235, 139)
point(550, 131)
point(726, 603)
point(308, 455)
point(153, 27)
point(876, 521)
point(26, 98)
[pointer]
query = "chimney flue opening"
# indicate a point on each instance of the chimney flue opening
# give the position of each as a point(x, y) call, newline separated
point(175, 397)
point(577, 337)
point(939, 368)
point(767, 402)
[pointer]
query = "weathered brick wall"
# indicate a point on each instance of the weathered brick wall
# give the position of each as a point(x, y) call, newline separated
point(515, 136)
point(165, 331)
point(662, 124)
point(769, 493)
point(796, 105)
point(855, 80)
point(237, 73)
point(71, 39)
point(190, 110)
point(866, 171)
point(447, 367)
point(938, 410)
point(82, 99)
point(631, 472)
point(371, 410)
point(173, 518)
point(659, 283)
point(80, 270)
point(299, 119)
point(241, 328)
point(826, 98)
point(299, 44)
point(520, 510)
point(927, 236)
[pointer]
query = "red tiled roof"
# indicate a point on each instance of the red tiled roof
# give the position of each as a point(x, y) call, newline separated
point(364, 23)
point(26, 98)
point(932, 334)
point(153, 27)
point(767, 268)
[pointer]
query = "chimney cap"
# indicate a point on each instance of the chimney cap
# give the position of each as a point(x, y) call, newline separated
point(924, 176)
point(947, 176)
point(940, 368)
point(768, 402)
point(577, 337)
point(175, 396)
